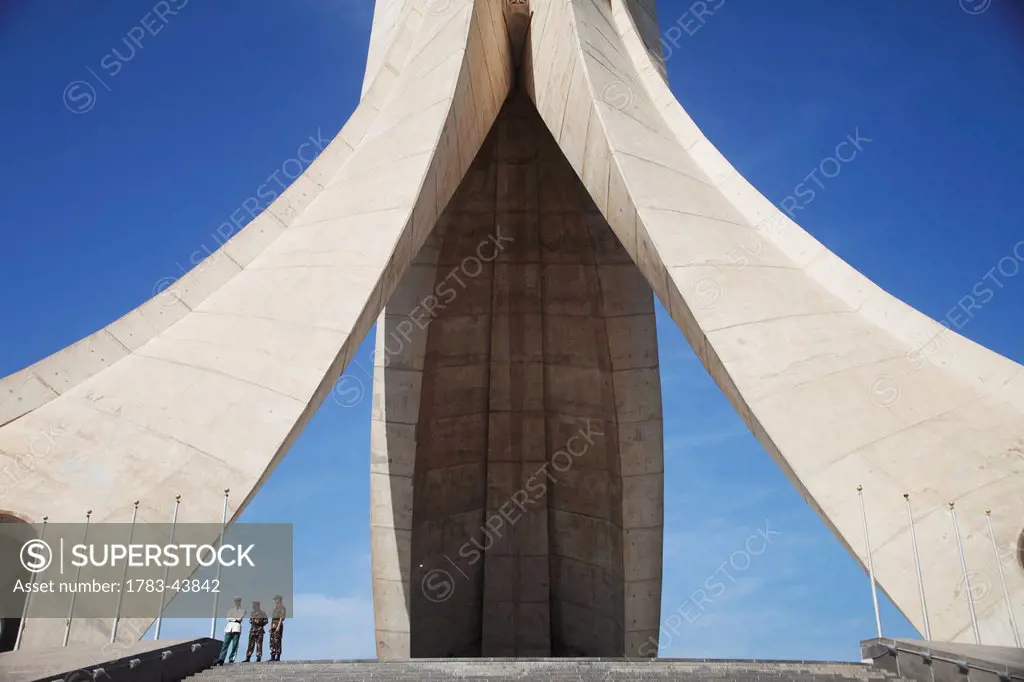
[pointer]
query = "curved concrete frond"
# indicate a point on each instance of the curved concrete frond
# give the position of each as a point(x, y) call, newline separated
point(215, 400)
point(27, 389)
point(799, 341)
point(387, 18)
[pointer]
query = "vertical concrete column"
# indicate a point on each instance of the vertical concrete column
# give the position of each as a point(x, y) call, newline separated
point(399, 355)
point(628, 308)
point(585, 488)
point(516, 583)
point(451, 466)
point(536, 519)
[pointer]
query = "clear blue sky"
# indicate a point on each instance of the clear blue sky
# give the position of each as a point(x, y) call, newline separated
point(99, 206)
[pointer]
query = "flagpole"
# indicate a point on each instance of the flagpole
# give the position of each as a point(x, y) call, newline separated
point(967, 577)
point(1002, 578)
point(124, 576)
point(917, 565)
point(167, 569)
point(78, 574)
point(216, 595)
point(871, 563)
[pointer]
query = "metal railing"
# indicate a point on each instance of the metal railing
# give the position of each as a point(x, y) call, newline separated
point(965, 666)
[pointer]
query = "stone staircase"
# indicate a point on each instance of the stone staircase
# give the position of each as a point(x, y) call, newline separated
point(553, 670)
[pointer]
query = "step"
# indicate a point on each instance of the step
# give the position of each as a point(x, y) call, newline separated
point(554, 670)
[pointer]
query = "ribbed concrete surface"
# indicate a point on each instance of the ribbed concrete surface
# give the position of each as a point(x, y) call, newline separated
point(522, 425)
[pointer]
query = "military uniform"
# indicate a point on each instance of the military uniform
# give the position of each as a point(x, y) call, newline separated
point(257, 628)
point(277, 629)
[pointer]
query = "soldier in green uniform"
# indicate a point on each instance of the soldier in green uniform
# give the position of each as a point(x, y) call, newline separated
point(257, 626)
point(277, 628)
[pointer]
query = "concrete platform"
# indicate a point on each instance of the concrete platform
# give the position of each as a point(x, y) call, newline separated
point(598, 670)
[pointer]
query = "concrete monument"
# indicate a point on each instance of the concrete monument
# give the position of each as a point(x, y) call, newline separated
point(516, 185)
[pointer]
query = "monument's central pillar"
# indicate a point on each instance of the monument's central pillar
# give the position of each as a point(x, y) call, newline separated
point(524, 418)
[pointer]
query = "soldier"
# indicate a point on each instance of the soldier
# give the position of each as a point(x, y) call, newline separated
point(277, 628)
point(232, 632)
point(257, 623)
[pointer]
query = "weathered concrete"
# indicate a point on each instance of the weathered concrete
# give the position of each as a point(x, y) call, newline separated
point(207, 385)
point(795, 338)
point(518, 410)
